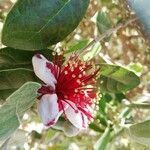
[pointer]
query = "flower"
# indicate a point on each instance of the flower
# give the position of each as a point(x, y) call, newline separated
point(68, 90)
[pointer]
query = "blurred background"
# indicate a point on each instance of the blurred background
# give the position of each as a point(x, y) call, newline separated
point(127, 46)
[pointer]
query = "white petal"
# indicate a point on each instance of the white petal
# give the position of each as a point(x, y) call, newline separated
point(41, 70)
point(48, 109)
point(76, 117)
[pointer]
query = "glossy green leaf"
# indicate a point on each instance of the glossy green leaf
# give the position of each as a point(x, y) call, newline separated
point(120, 97)
point(103, 22)
point(117, 79)
point(12, 79)
point(141, 8)
point(37, 24)
point(140, 132)
point(15, 106)
point(102, 143)
point(81, 44)
point(5, 93)
point(14, 58)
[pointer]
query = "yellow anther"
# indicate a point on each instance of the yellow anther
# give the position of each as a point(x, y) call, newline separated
point(78, 81)
point(76, 90)
point(80, 68)
point(73, 75)
point(66, 72)
point(80, 76)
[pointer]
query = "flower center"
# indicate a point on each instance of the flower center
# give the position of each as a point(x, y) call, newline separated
point(75, 82)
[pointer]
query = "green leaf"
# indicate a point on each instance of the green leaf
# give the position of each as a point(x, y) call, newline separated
point(103, 22)
point(119, 97)
point(95, 49)
point(18, 139)
point(37, 24)
point(36, 135)
point(4, 146)
point(101, 144)
point(108, 3)
point(81, 44)
point(140, 132)
point(117, 79)
point(126, 113)
point(5, 93)
point(102, 105)
point(14, 58)
point(12, 79)
point(136, 67)
point(141, 8)
point(15, 106)
point(95, 127)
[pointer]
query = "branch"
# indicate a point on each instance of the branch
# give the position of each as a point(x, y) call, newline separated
point(139, 105)
point(110, 31)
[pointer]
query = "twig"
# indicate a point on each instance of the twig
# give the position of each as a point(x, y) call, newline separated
point(140, 105)
point(110, 31)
